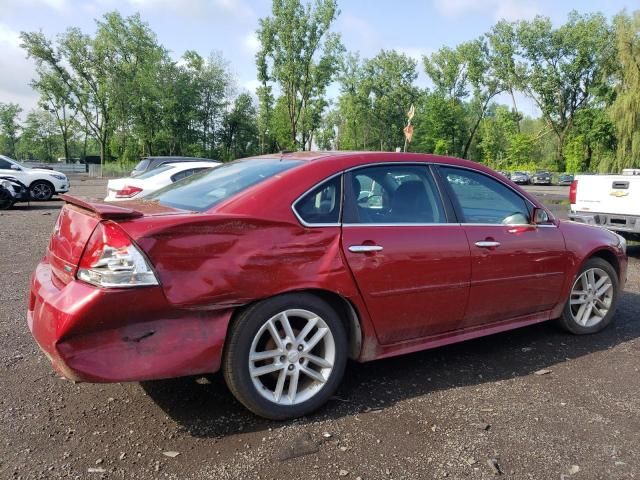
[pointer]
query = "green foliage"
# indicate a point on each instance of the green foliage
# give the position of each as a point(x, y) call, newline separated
point(122, 88)
point(625, 111)
point(290, 41)
point(9, 128)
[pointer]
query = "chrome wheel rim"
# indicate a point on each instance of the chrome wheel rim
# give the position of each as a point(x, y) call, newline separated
point(292, 357)
point(591, 297)
point(41, 191)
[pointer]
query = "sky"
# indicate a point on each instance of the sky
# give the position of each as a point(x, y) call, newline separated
point(415, 27)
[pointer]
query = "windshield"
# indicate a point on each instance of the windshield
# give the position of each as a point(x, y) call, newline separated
point(154, 172)
point(202, 191)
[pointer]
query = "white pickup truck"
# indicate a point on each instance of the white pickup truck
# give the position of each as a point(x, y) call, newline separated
point(611, 201)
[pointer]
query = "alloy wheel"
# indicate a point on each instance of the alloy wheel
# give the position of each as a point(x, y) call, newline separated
point(41, 191)
point(591, 297)
point(292, 357)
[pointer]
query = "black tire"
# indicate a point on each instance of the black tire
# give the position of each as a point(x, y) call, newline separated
point(6, 199)
point(240, 338)
point(41, 190)
point(568, 321)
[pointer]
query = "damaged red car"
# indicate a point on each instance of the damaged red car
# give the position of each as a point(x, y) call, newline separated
point(275, 270)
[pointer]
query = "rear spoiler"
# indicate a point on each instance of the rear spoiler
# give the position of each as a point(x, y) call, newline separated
point(101, 209)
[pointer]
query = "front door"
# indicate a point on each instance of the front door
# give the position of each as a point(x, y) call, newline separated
point(412, 267)
point(516, 268)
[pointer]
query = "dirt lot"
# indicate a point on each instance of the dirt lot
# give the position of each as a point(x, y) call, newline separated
point(464, 411)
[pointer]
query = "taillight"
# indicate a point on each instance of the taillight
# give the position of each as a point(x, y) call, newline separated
point(111, 260)
point(573, 191)
point(128, 191)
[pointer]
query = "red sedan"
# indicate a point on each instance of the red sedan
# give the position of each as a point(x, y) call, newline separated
point(277, 269)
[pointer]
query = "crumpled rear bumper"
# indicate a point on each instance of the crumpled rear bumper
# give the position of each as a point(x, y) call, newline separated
point(100, 335)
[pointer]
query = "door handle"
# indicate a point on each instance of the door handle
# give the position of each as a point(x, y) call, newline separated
point(487, 244)
point(364, 248)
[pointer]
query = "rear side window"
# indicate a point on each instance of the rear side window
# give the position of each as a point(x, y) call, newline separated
point(322, 204)
point(154, 172)
point(392, 194)
point(142, 165)
point(201, 192)
point(485, 200)
point(186, 173)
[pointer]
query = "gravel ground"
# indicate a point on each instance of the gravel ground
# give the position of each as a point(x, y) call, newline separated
point(534, 403)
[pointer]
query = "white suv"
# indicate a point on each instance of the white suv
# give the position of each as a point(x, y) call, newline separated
point(42, 183)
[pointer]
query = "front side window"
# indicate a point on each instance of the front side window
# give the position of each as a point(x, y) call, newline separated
point(392, 194)
point(4, 164)
point(322, 204)
point(187, 173)
point(484, 200)
point(201, 192)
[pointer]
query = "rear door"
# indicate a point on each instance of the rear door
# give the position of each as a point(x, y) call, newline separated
point(411, 265)
point(516, 268)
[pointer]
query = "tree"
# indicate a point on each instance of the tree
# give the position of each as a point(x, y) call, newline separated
point(299, 54)
point(625, 111)
point(240, 129)
point(388, 84)
point(563, 67)
point(40, 139)
point(55, 98)
point(9, 128)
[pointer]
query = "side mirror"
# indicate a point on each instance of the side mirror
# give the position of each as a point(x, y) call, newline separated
point(15, 167)
point(539, 216)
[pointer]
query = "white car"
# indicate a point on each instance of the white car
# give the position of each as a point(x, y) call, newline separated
point(42, 183)
point(137, 187)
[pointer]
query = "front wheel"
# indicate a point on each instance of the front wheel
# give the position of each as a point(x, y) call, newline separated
point(41, 191)
point(6, 199)
point(593, 298)
point(285, 356)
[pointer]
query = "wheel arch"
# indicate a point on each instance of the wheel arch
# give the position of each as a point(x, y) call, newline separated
point(345, 309)
point(606, 255)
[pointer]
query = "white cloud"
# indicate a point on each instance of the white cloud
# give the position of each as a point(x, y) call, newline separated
point(17, 71)
point(498, 9)
point(11, 6)
point(251, 43)
point(415, 52)
point(200, 9)
point(251, 85)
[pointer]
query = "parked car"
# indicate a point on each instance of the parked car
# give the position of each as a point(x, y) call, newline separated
point(611, 201)
point(521, 178)
point(12, 191)
point(152, 180)
point(541, 178)
point(149, 163)
point(565, 179)
point(42, 184)
point(504, 174)
point(276, 269)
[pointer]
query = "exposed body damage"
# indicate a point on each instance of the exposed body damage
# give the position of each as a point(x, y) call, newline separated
point(212, 265)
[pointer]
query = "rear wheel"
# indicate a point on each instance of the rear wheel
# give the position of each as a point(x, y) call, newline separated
point(593, 298)
point(41, 190)
point(285, 356)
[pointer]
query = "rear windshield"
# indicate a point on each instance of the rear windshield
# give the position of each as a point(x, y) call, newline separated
point(202, 191)
point(154, 172)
